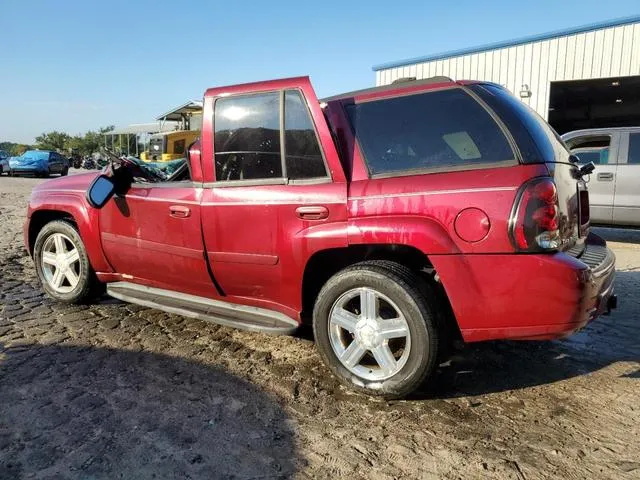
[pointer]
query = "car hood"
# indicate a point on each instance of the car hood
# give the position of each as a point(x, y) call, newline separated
point(70, 182)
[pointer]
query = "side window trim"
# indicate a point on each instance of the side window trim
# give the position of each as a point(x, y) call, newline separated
point(283, 152)
point(284, 179)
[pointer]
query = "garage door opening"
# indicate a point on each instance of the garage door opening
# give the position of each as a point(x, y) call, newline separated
point(604, 102)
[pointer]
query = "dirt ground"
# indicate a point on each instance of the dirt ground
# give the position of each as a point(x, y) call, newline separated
point(119, 391)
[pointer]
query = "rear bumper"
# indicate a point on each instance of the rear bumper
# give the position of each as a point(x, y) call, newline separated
point(527, 297)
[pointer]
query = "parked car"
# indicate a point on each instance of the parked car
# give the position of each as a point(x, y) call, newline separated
point(614, 188)
point(394, 220)
point(4, 162)
point(39, 163)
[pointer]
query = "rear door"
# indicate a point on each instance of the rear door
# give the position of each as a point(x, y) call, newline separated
point(278, 192)
point(626, 210)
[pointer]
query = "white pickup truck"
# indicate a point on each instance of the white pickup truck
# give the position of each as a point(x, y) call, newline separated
point(614, 186)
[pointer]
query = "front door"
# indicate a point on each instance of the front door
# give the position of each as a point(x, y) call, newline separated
point(602, 149)
point(626, 210)
point(152, 235)
point(274, 201)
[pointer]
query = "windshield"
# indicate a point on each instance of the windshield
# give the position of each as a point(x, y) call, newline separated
point(445, 129)
point(159, 171)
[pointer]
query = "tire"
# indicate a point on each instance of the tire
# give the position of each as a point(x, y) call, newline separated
point(1, 170)
point(65, 172)
point(396, 288)
point(87, 286)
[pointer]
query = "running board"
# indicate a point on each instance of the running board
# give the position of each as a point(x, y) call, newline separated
point(228, 314)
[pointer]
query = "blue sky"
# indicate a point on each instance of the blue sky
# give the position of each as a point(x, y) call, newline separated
point(74, 65)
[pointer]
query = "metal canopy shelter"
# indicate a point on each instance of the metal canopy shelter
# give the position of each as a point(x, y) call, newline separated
point(183, 114)
point(132, 133)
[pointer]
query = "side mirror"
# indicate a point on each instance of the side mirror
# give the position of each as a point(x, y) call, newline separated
point(100, 191)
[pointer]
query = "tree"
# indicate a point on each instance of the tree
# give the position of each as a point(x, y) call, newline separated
point(18, 149)
point(52, 140)
point(14, 149)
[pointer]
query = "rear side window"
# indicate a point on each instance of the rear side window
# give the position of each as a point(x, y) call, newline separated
point(247, 137)
point(536, 140)
point(446, 129)
point(634, 149)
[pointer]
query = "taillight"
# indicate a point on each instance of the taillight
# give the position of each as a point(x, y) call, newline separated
point(534, 220)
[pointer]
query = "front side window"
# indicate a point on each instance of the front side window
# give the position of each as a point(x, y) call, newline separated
point(247, 137)
point(598, 156)
point(302, 152)
point(634, 149)
point(445, 129)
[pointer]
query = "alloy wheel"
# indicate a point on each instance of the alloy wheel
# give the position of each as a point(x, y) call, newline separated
point(61, 263)
point(369, 334)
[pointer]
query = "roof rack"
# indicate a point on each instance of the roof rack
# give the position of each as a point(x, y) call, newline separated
point(394, 84)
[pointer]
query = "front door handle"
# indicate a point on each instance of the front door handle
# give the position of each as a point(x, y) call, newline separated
point(178, 211)
point(605, 176)
point(315, 212)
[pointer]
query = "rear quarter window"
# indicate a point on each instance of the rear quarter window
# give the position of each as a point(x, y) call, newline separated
point(438, 130)
point(537, 141)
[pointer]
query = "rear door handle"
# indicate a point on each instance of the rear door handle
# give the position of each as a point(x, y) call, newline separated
point(178, 211)
point(314, 212)
point(605, 176)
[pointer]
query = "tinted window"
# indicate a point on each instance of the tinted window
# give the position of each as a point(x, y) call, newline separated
point(247, 137)
point(447, 128)
point(302, 152)
point(634, 148)
point(536, 140)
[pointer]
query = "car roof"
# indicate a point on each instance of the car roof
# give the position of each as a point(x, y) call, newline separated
point(399, 87)
point(604, 130)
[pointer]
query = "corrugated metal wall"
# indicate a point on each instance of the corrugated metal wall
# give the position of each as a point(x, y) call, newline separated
point(609, 52)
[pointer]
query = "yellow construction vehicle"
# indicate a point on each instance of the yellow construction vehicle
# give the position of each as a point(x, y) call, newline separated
point(167, 146)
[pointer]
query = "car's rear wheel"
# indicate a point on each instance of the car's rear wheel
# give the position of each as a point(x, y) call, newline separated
point(375, 328)
point(62, 264)
point(65, 171)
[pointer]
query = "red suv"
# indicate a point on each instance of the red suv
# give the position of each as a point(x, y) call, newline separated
point(395, 219)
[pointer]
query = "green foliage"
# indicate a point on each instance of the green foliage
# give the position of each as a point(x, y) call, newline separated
point(52, 141)
point(14, 149)
point(62, 142)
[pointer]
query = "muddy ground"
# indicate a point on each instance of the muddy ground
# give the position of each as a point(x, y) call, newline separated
point(118, 391)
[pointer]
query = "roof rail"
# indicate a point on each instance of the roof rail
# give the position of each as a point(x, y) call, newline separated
point(394, 84)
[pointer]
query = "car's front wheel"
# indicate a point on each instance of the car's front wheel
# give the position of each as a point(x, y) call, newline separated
point(375, 328)
point(62, 263)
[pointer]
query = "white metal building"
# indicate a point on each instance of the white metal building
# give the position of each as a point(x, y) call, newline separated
point(577, 78)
